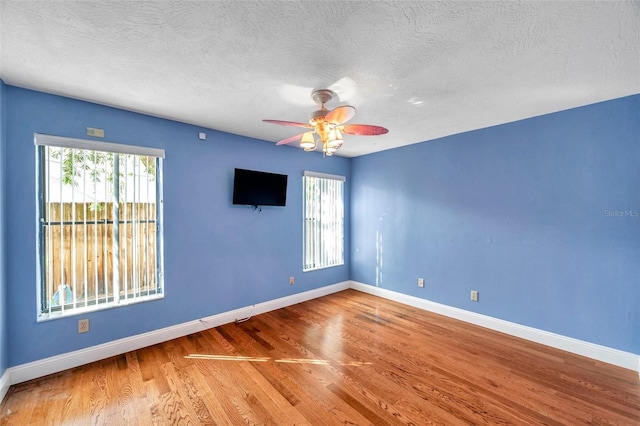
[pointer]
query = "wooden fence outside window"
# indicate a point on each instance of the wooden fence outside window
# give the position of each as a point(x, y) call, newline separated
point(79, 248)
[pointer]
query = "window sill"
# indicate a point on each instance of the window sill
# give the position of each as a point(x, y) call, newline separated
point(321, 267)
point(94, 308)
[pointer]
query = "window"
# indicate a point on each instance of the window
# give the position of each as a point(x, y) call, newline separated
point(323, 200)
point(99, 225)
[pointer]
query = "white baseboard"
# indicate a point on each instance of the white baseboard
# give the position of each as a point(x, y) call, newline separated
point(601, 353)
point(4, 384)
point(40, 368)
point(43, 367)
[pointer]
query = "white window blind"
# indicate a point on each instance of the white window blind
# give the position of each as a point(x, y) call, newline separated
point(100, 224)
point(323, 205)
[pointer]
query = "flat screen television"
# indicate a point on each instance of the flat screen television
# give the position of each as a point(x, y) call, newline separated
point(254, 188)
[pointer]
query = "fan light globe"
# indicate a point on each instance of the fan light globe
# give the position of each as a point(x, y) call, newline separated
point(329, 150)
point(335, 139)
point(308, 142)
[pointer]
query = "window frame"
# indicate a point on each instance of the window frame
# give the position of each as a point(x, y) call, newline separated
point(317, 264)
point(41, 142)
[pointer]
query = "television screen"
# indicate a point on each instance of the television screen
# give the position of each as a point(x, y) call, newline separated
point(256, 188)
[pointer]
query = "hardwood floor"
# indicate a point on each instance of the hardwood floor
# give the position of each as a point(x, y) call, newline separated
point(347, 358)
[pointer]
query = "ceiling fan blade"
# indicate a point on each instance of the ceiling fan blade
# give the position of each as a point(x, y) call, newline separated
point(340, 115)
point(363, 129)
point(290, 139)
point(289, 123)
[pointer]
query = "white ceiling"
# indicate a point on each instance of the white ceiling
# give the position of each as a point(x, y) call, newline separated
point(422, 69)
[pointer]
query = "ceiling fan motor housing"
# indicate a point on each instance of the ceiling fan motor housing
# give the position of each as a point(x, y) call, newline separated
point(322, 96)
point(329, 130)
point(317, 116)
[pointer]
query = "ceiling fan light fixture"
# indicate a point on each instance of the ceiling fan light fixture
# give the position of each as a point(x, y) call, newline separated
point(328, 150)
point(335, 139)
point(329, 125)
point(308, 142)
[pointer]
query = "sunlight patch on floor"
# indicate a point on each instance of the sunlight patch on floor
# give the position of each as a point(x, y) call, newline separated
point(228, 358)
point(283, 360)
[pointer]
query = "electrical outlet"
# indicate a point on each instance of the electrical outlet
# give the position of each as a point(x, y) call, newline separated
point(474, 295)
point(83, 326)
point(420, 282)
point(291, 281)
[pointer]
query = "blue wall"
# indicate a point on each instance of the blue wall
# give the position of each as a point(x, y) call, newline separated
point(3, 307)
point(218, 257)
point(538, 215)
point(541, 216)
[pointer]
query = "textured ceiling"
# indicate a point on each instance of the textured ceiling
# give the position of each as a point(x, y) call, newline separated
point(421, 69)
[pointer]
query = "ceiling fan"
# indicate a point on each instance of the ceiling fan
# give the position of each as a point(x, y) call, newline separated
point(329, 125)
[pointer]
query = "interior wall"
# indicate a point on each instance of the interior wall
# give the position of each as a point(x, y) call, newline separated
point(218, 257)
point(3, 282)
point(541, 216)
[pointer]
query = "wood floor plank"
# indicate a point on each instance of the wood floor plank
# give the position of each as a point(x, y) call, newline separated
point(294, 391)
point(309, 381)
point(346, 358)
